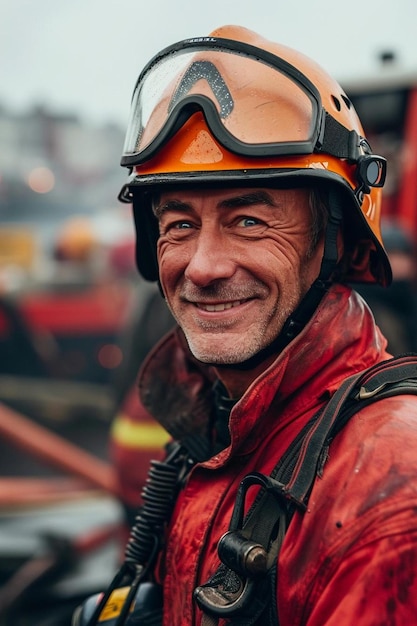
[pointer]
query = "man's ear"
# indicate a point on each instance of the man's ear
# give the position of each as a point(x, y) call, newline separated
point(354, 260)
point(359, 257)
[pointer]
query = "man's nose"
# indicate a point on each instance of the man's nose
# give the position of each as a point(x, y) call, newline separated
point(210, 259)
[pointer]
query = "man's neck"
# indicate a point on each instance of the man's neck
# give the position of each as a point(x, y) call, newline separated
point(237, 380)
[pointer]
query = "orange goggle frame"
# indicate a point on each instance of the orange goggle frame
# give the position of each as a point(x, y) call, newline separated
point(254, 103)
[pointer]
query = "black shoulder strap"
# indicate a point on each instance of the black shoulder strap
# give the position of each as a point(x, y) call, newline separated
point(230, 593)
point(388, 378)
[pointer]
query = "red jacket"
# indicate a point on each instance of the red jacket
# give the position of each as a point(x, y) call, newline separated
point(351, 559)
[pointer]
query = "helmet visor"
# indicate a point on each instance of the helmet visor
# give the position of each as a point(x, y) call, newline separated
point(254, 102)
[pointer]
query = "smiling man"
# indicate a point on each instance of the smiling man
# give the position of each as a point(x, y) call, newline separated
point(233, 266)
point(256, 199)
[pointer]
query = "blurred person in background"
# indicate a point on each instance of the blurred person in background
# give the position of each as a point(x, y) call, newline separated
point(135, 437)
point(395, 307)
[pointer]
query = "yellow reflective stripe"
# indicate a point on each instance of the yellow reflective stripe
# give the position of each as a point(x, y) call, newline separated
point(114, 604)
point(133, 435)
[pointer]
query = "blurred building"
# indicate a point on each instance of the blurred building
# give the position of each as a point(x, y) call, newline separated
point(54, 164)
point(60, 224)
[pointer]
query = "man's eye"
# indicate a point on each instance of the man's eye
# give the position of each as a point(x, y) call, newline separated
point(176, 229)
point(248, 221)
point(179, 225)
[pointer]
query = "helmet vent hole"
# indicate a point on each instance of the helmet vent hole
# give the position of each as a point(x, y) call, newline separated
point(346, 101)
point(336, 103)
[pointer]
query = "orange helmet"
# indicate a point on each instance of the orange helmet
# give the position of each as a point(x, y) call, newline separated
point(76, 240)
point(235, 109)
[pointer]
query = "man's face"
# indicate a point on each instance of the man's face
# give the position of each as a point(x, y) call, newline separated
point(233, 265)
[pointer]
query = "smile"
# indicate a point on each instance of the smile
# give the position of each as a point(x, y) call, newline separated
point(219, 307)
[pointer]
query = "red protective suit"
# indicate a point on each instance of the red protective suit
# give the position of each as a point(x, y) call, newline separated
point(351, 559)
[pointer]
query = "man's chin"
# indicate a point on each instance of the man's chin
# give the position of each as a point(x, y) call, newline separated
point(221, 354)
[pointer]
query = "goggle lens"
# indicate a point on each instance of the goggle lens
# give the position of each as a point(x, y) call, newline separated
point(270, 108)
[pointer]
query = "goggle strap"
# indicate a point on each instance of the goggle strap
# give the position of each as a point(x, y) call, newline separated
point(339, 141)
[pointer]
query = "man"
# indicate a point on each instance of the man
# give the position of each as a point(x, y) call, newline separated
point(256, 198)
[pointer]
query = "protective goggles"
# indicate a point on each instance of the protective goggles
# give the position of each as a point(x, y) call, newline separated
point(254, 102)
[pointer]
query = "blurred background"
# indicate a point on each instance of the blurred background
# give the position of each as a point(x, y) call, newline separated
point(75, 318)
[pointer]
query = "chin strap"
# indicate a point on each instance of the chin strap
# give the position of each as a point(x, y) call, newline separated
point(305, 310)
point(303, 313)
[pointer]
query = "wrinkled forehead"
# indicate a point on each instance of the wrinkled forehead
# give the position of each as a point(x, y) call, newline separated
point(230, 198)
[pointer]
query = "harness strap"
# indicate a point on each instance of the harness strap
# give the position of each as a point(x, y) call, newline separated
point(235, 592)
point(392, 377)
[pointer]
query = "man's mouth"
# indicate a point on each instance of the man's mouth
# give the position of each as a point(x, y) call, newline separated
point(223, 306)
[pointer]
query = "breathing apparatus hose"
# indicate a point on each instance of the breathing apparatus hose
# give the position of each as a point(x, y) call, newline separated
point(146, 538)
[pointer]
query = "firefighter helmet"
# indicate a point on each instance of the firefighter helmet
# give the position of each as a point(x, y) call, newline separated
point(233, 108)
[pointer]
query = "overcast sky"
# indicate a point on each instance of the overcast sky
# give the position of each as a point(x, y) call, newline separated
point(85, 55)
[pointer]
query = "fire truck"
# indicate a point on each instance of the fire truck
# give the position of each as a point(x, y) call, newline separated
point(387, 106)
